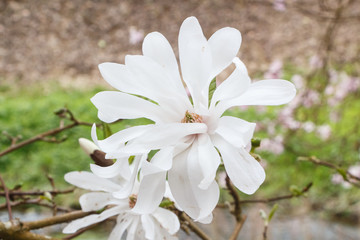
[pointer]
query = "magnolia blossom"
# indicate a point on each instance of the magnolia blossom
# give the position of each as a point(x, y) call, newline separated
point(160, 224)
point(189, 133)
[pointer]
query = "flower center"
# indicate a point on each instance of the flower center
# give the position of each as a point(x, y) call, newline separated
point(192, 118)
point(132, 200)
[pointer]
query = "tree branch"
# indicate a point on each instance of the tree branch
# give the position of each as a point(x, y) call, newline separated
point(6, 193)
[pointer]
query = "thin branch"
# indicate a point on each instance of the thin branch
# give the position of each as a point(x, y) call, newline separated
point(42, 136)
point(235, 196)
point(238, 228)
point(7, 197)
point(189, 223)
point(38, 193)
point(274, 199)
point(36, 201)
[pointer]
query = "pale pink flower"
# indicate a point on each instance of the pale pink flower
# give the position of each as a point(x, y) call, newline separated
point(135, 35)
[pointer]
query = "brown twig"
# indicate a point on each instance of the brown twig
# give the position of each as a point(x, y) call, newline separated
point(36, 201)
point(7, 197)
point(274, 199)
point(191, 225)
point(235, 196)
point(37, 193)
point(42, 136)
point(238, 227)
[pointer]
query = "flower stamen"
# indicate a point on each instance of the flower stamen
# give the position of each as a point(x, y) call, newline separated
point(132, 200)
point(192, 118)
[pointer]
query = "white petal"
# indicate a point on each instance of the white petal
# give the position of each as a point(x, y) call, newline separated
point(167, 219)
point(88, 146)
point(151, 192)
point(195, 60)
point(206, 220)
point(148, 225)
point(120, 167)
point(236, 84)
point(160, 136)
point(118, 105)
point(91, 219)
point(208, 159)
point(265, 92)
point(126, 190)
point(90, 181)
point(132, 230)
point(157, 47)
point(224, 44)
point(235, 130)
point(123, 222)
point(244, 171)
point(94, 201)
point(197, 203)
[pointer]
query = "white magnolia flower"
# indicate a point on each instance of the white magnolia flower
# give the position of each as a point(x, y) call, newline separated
point(160, 224)
point(189, 134)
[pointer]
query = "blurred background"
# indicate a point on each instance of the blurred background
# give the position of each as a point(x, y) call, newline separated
point(49, 52)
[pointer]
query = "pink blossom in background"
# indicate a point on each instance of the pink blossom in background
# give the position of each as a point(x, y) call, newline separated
point(338, 179)
point(135, 35)
point(308, 126)
point(311, 98)
point(298, 80)
point(279, 5)
point(275, 70)
point(324, 131)
point(316, 62)
point(274, 145)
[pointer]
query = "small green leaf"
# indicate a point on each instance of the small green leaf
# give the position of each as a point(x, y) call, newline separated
point(272, 212)
point(343, 173)
point(131, 159)
point(47, 196)
point(212, 88)
point(295, 190)
point(166, 203)
point(106, 130)
point(263, 214)
point(255, 143)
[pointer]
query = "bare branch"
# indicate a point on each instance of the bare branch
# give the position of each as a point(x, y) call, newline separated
point(7, 197)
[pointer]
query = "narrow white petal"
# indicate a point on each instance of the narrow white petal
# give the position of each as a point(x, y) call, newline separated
point(120, 167)
point(94, 201)
point(244, 171)
point(208, 159)
point(224, 44)
point(236, 84)
point(118, 105)
point(206, 220)
point(126, 190)
point(132, 230)
point(88, 146)
point(265, 92)
point(123, 222)
point(151, 192)
point(162, 135)
point(91, 219)
point(197, 203)
point(157, 47)
point(90, 181)
point(195, 59)
point(148, 225)
point(167, 219)
point(235, 130)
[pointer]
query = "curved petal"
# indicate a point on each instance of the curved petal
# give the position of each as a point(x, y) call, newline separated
point(151, 191)
point(91, 219)
point(94, 201)
point(126, 190)
point(117, 105)
point(195, 59)
point(148, 225)
point(224, 44)
point(265, 92)
point(244, 171)
point(206, 220)
point(122, 223)
point(132, 232)
point(157, 47)
point(236, 131)
point(167, 219)
point(159, 136)
point(196, 202)
point(236, 84)
point(90, 181)
point(208, 159)
point(120, 167)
